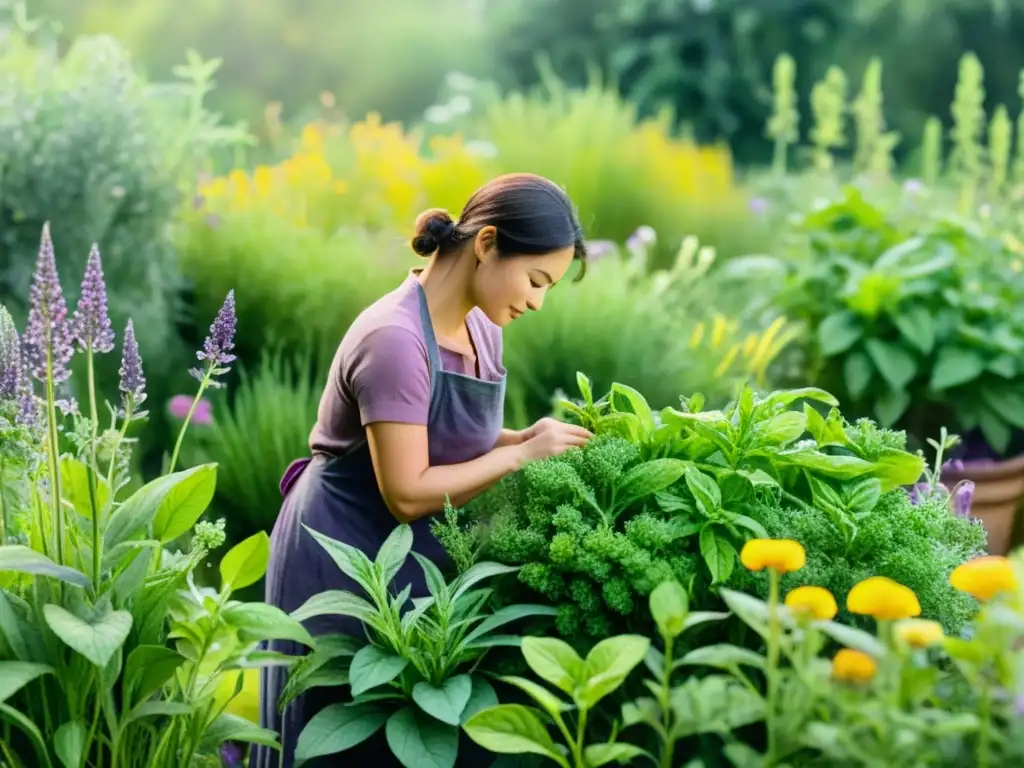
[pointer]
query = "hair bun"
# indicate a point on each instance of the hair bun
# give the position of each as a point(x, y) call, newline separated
point(434, 227)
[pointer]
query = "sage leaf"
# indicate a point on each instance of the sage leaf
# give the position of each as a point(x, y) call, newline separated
point(246, 562)
point(446, 702)
point(421, 742)
point(372, 667)
point(97, 640)
point(15, 675)
point(338, 727)
point(512, 729)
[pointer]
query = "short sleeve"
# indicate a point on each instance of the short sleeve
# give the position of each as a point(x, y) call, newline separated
point(388, 376)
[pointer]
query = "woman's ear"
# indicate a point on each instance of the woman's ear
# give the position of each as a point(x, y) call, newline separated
point(486, 244)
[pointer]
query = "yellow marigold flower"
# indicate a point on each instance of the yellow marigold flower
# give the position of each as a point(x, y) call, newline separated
point(919, 633)
point(852, 666)
point(815, 602)
point(884, 599)
point(782, 555)
point(985, 577)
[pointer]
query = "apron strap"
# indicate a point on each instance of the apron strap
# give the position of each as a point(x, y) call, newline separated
point(433, 351)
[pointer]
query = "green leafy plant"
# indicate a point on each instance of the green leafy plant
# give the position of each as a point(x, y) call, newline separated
point(516, 729)
point(417, 677)
point(917, 318)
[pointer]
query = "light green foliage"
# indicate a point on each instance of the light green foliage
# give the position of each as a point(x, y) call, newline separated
point(915, 318)
point(931, 151)
point(416, 675)
point(828, 104)
point(1018, 160)
point(784, 125)
point(968, 109)
point(672, 496)
point(873, 154)
point(1000, 143)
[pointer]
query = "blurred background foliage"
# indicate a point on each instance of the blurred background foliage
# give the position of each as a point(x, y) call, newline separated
point(283, 149)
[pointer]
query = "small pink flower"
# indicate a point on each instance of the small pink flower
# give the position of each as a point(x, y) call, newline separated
point(179, 405)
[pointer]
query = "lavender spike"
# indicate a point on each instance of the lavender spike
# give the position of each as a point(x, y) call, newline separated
point(91, 321)
point(48, 329)
point(217, 348)
point(10, 356)
point(133, 382)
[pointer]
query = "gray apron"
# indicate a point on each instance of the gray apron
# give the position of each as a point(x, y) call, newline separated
point(338, 496)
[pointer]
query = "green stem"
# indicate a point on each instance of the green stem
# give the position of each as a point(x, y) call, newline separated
point(129, 408)
point(666, 707)
point(577, 746)
point(93, 471)
point(4, 522)
point(984, 727)
point(51, 413)
point(188, 418)
point(772, 672)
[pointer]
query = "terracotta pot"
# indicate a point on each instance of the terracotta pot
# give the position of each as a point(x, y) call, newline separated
point(998, 491)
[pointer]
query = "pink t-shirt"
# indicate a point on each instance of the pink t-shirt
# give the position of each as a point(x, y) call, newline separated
point(380, 371)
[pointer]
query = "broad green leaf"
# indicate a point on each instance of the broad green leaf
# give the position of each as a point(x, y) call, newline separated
point(1004, 366)
point(862, 495)
point(825, 497)
point(894, 468)
point(335, 602)
point(256, 622)
point(894, 363)
point(334, 650)
point(602, 754)
point(350, 560)
point(723, 657)
point(857, 372)
point(227, 727)
point(98, 640)
point(435, 579)
point(749, 523)
point(852, 638)
point(393, 552)
point(637, 403)
point(995, 430)
point(669, 608)
point(752, 611)
point(1007, 402)
point(69, 743)
point(917, 327)
point(21, 559)
point(159, 497)
point(555, 661)
point(609, 663)
point(338, 727)
point(15, 675)
point(704, 489)
point(955, 366)
point(838, 332)
point(512, 729)
point(839, 467)
point(147, 670)
point(828, 430)
point(713, 704)
point(246, 562)
point(481, 697)
point(550, 703)
point(647, 478)
point(719, 554)
point(447, 702)
point(781, 429)
point(372, 667)
point(703, 617)
point(891, 405)
point(506, 615)
point(757, 477)
point(74, 478)
point(421, 742)
point(786, 397)
point(893, 257)
point(185, 502)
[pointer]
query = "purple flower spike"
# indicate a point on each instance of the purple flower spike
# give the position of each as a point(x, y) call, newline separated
point(28, 406)
point(962, 498)
point(48, 330)
point(91, 322)
point(133, 382)
point(217, 348)
point(230, 755)
point(10, 357)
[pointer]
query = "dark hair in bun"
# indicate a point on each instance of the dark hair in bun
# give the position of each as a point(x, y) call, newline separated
point(532, 216)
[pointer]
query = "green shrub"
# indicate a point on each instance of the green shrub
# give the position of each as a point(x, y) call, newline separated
point(676, 496)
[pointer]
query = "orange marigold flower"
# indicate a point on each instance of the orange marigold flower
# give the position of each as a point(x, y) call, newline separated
point(884, 599)
point(816, 602)
point(782, 555)
point(852, 666)
point(985, 577)
point(919, 633)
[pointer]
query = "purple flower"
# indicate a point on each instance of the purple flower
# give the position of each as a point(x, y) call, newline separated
point(91, 321)
point(28, 407)
point(133, 382)
point(599, 249)
point(230, 755)
point(912, 186)
point(179, 406)
point(758, 205)
point(953, 465)
point(643, 238)
point(48, 334)
point(217, 348)
point(10, 356)
point(962, 498)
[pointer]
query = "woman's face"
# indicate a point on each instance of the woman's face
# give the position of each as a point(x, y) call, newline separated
point(508, 287)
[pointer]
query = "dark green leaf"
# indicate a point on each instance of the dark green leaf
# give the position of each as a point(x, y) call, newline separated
point(857, 371)
point(98, 639)
point(147, 669)
point(996, 432)
point(862, 495)
point(890, 406)
point(894, 363)
point(838, 332)
point(841, 467)
point(160, 497)
point(338, 727)
point(781, 429)
point(446, 702)
point(481, 697)
point(350, 560)
point(637, 403)
point(718, 553)
point(505, 615)
point(955, 366)
point(335, 602)
point(917, 327)
point(392, 553)
point(15, 675)
point(648, 478)
point(184, 503)
point(372, 667)
point(69, 743)
point(1004, 366)
point(21, 559)
point(704, 489)
point(1007, 402)
point(421, 742)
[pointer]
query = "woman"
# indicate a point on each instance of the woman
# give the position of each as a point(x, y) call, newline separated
point(413, 411)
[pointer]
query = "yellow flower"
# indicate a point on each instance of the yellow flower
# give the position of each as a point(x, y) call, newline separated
point(985, 577)
point(852, 666)
point(815, 602)
point(883, 598)
point(781, 555)
point(697, 336)
point(919, 633)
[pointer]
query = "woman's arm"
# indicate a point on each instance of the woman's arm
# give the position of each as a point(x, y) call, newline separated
point(412, 488)
point(510, 437)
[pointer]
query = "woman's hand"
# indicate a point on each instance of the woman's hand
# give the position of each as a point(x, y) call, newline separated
point(550, 437)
